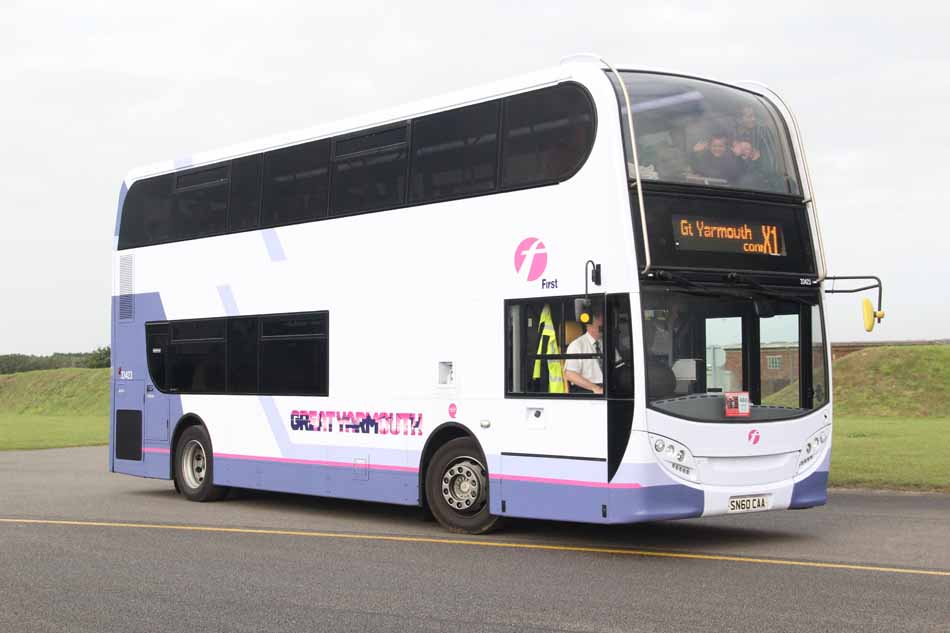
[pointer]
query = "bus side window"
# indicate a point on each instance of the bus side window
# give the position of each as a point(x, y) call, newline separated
point(455, 153)
point(369, 170)
point(146, 215)
point(195, 360)
point(296, 184)
point(547, 135)
point(294, 354)
point(157, 342)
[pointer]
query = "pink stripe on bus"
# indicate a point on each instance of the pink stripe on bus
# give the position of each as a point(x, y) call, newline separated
point(411, 469)
point(315, 462)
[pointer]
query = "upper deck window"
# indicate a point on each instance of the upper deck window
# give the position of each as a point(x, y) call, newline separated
point(545, 135)
point(698, 132)
point(548, 135)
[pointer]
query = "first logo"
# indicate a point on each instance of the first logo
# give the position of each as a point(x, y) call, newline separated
point(531, 258)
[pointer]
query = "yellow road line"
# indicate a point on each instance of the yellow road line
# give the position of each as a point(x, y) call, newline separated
point(478, 543)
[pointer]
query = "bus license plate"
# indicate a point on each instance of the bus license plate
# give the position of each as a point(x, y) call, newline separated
point(755, 503)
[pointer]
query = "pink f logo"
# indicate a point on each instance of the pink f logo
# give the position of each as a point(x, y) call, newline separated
point(531, 258)
point(754, 437)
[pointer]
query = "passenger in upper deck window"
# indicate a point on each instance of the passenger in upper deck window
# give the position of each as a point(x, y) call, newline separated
point(716, 160)
point(760, 137)
point(754, 173)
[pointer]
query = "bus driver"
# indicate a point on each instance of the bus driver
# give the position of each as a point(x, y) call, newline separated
point(586, 375)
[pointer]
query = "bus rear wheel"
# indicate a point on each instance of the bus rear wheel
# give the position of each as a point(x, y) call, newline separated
point(457, 488)
point(194, 466)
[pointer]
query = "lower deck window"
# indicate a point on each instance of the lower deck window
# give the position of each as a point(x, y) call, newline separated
point(196, 367)
point(264, 355)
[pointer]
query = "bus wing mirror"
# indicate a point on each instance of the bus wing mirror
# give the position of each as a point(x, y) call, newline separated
point(870, 315)
point(867, 308)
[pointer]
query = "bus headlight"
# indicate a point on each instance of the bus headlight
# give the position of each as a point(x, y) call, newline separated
point(675, 457)
point(814, 448)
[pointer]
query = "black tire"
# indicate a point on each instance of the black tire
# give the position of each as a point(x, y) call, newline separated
point(194, 466)
point(458, 472)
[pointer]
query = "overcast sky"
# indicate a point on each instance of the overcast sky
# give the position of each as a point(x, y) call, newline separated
point(92, 89)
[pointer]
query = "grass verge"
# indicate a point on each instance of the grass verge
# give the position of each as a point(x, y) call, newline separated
point(891, 453)
point(20, 432)
point(56, 392)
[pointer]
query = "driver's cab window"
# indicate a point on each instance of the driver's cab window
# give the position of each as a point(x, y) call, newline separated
point(555, 346)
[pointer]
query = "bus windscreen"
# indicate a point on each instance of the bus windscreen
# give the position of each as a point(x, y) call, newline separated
point(695, 132)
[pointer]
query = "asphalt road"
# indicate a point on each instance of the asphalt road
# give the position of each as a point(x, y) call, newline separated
point(116, 553)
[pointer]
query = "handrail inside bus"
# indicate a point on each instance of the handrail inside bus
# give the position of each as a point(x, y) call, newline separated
point(801, 152)
point(633, 145)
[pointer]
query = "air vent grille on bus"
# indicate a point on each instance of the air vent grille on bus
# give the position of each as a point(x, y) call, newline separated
point(127, 288)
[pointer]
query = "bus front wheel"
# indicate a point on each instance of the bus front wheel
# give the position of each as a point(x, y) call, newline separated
point(457, 488)
point(194, 466)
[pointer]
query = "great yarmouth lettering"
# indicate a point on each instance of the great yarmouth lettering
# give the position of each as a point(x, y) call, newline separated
point(381, 423)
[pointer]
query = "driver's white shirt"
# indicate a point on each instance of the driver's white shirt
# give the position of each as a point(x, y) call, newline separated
point(589, 368)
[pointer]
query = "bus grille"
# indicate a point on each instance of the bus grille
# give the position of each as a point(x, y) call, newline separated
point(126, 288)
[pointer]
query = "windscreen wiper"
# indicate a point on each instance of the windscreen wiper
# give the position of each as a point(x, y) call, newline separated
point(761, 290)
point(712, 292)
point(688, 286)
point(665, 275)
point(707, 287)
point(751, 290)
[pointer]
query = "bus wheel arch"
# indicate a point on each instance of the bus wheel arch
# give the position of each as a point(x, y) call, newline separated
point(444, 433)
point(191, 437)
point(189, 419)
point(454, 446)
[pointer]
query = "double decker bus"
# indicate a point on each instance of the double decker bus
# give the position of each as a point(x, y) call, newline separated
point(582, 294)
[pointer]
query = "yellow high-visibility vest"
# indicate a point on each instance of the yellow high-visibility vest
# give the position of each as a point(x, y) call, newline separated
point(556, 382)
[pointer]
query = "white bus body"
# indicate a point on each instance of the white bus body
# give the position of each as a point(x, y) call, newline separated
point(414, 302)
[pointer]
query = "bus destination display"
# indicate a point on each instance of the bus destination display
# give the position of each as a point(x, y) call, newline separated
point(697, 233)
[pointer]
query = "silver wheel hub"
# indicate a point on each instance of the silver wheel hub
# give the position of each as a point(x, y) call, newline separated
point(464, 485)
point(194, 464)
